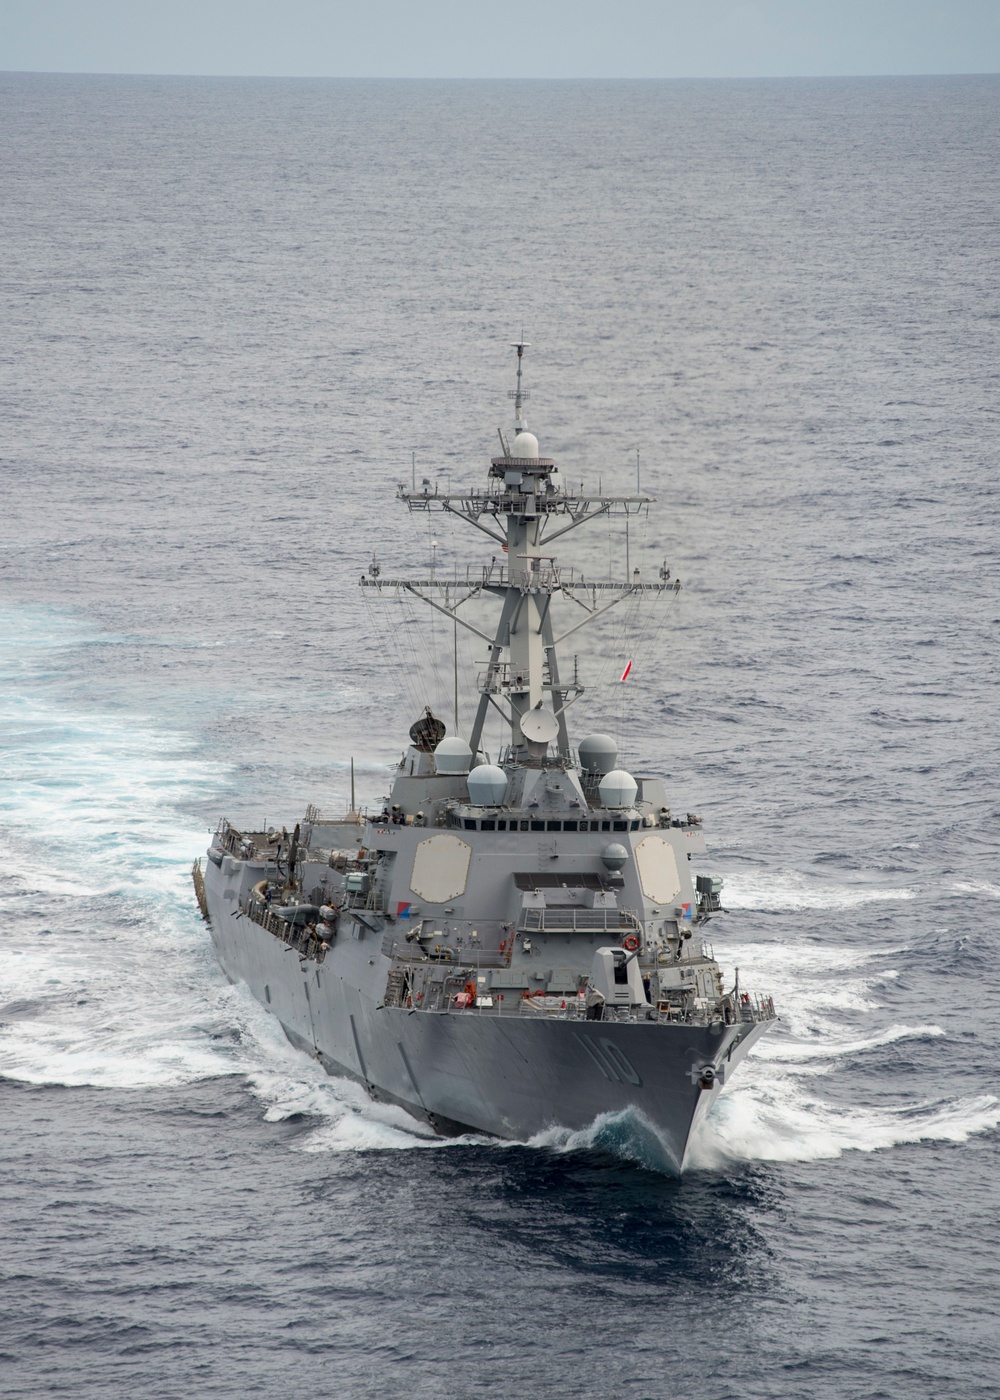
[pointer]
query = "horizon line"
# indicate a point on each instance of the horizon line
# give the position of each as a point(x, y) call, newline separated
point(430, 78)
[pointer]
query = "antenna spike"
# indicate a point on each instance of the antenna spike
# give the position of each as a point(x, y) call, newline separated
point(520, 423)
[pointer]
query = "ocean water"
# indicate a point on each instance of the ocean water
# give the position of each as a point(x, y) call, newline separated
point(237, 314)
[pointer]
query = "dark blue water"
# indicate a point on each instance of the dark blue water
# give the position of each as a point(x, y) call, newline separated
point(231, 311)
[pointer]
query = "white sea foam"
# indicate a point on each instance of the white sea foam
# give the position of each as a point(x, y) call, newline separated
point(786, 1050)
point(340, 1115)
point(822, 992)
point(787, 891)
point(108, 975)
point(827, 997)
point(768, 1116)
point(986, 887)
point(815, 985)
point(105, 969)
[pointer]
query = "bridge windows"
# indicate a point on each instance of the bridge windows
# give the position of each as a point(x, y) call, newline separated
point(537, 824)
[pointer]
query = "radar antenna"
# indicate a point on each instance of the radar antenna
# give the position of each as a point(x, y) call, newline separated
point(524, 508)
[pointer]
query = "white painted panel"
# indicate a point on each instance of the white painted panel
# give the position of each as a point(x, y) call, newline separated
point(657, 869)
point(440, 868)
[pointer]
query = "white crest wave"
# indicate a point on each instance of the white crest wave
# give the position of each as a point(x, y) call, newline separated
point(788, 891)
point(773, 1118)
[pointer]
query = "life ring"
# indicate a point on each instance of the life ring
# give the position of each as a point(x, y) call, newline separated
point(630, 942)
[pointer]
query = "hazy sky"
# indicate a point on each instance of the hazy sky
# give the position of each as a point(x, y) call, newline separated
point(502, 38)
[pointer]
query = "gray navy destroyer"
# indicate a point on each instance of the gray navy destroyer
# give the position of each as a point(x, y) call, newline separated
point(506, 946)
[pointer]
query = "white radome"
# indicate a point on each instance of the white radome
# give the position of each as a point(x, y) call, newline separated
point(487, 785)
point(618, 788)
point(453, 756)
point(525, 445)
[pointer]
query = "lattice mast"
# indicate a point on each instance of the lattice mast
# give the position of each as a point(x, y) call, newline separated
point(524, 508)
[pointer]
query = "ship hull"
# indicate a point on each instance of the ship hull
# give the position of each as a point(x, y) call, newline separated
point(509, 1076)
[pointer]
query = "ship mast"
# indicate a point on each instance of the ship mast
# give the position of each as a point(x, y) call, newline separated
point(524, 508)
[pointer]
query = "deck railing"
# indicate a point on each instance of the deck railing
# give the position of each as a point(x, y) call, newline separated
point(306, 944)
point(440, 997)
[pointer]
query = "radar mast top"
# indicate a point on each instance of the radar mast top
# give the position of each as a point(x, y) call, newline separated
point(518, 395)
point(524, 508)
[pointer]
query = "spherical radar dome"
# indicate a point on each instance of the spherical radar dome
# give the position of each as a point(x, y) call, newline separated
point(618, 788)
point(487, 785)
point(453, 756)
point(615, 857)
point(525, 445)
point(598, 753)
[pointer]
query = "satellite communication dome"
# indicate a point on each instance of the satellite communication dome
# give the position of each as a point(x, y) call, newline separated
point(617, 788)
point(525, 445)
point(487, 785)
point(615, 857)
point(598, 753)
point(453, 756)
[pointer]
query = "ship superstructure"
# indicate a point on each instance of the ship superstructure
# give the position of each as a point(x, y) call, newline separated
point(505, 946)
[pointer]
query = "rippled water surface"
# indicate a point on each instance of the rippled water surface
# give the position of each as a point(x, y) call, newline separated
point(232, 310)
